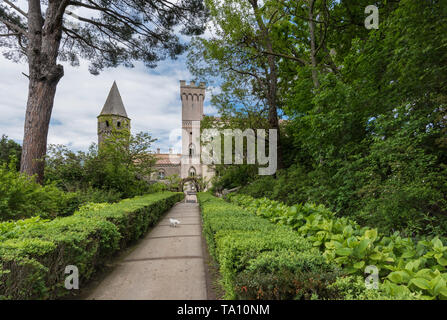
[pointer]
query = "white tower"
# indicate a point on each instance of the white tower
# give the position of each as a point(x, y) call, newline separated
point(192, 97)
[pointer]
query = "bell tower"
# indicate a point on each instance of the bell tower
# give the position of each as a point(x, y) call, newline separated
point(113, 115)
point(192, 97)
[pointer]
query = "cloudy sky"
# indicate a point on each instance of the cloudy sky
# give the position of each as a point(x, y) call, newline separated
point(151, 98)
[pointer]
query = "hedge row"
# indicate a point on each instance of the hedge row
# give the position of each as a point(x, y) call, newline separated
point(260, 260)
point(33, 261)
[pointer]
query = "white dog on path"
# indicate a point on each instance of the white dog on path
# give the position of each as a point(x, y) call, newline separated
point(173, 222)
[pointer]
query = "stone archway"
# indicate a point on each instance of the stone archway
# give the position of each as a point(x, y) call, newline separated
point(195, 182)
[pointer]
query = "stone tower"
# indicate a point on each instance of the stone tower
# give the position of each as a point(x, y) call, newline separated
point(113, 115)
point(193, 97)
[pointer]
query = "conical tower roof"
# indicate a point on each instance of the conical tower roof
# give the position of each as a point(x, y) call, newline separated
point(114, 104)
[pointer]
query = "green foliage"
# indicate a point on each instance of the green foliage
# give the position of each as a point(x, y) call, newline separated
point(35, 252)
point(98, 195)
point(369, 143)
point(353, 288)
point(255, 255)
point(21, 197)
point(174, 183)
point(228, 177)
point(287, 275)
point(44, 250)
point(117, 168)
point(13, 229)
point(366, 125)
point(10, 151)
point(158, 187)
point(406, 266)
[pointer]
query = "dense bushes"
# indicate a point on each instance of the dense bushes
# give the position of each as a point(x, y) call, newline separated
point(413, 205)
point(10, 152)
point(369, 140)
point(120, 165)
point(21, 197)
point(34, 253)
point(408, 268)
point(259, 260)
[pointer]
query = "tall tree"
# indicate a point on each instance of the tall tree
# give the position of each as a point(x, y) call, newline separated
point(239, 54)
point(106, 32)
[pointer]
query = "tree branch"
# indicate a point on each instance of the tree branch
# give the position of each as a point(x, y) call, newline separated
point(12, 5)
point(301, 61)
point(10, 34)
point(13, 26)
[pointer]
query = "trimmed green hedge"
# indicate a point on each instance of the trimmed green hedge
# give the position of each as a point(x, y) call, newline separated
point(260, 260)
point(32, 262)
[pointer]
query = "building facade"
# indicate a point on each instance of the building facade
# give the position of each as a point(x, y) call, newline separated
point(187, 163)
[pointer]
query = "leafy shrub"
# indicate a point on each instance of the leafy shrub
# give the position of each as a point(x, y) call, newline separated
point(406, 267)
point(48, 248)
point(353, 288)
point(98, 195)
point(228, 177)
point(219, 220)
point(241, 243)
point(157, 187)
point(21, 197)
point(287, 275)
point(34, 253)
point(10, 152)
point(118, 166)
point(13, 229)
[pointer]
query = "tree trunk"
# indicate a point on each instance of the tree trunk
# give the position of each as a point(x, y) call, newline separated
point(37, 120)
point(313, 48)
point(272, 80)
point(44, 37)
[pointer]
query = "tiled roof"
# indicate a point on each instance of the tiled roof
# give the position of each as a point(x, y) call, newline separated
point(167, 158)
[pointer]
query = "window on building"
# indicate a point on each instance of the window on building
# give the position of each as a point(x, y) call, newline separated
point(191, 150)
point(118, 124)
point(192, 172)
point(161, 174)
point(107, 123)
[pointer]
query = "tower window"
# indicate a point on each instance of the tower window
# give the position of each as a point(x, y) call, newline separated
point(118, 124)
point(191, 150)
point(192, 172)
point(107, 123)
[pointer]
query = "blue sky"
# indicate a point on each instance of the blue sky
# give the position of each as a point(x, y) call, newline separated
point(151, 98)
